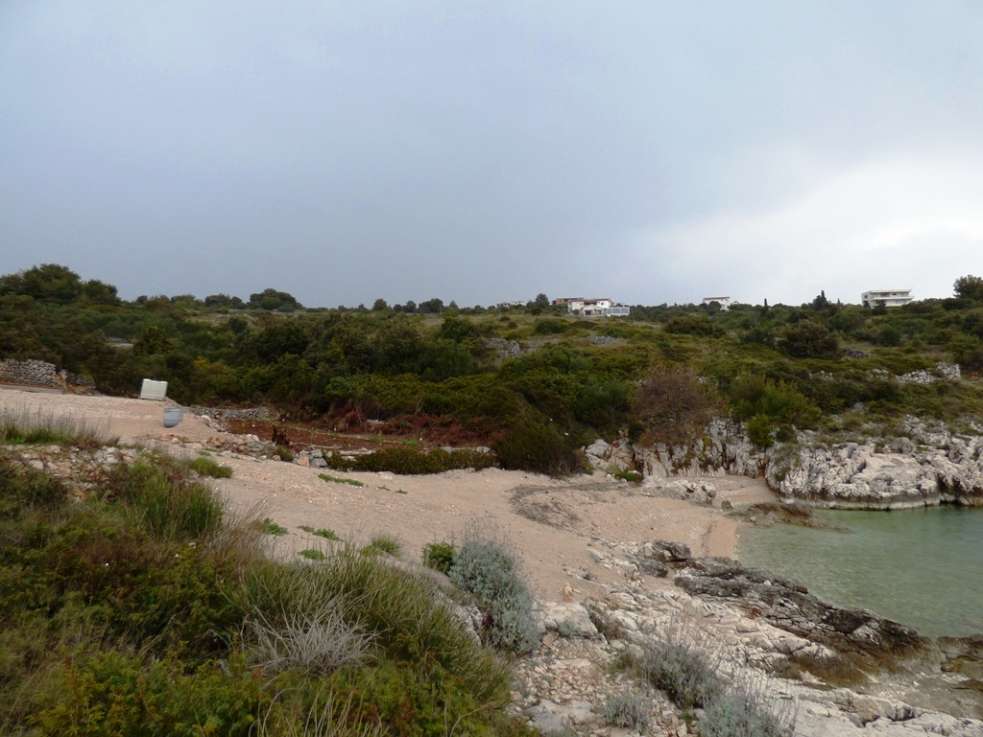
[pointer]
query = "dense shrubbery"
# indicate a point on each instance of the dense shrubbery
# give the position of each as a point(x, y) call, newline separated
point(554, 392)
point(113, 623)
point(411, 460)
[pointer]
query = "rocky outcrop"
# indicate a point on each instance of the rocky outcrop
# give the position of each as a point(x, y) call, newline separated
point(789, 606)
point(923, 464)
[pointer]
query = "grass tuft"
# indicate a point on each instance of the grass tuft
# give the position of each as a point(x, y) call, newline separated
point(35, 427)
point(339, 480)
point(383, 545)
point(205, 466)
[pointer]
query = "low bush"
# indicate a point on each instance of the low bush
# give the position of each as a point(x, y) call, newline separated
point(338, 480)
point(318, 641)
point(170, 505)
point(205, 466)
point(117, 693)
point(489, 570)
point(269, 527)
point(382, 545)
point(745, 709)
point(312, 554)
point(687, 674)
point(283, 453)
point(23, 488)
point(321, 532)
point(408, 460)
point(628, 710)
point(534, 445)
point(439, 556)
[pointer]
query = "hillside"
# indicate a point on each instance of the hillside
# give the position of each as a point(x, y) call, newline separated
point(532, 382)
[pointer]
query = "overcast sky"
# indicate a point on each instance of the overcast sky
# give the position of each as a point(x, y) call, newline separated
point(648, 151)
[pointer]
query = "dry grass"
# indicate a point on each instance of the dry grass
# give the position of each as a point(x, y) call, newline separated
point(24, 426)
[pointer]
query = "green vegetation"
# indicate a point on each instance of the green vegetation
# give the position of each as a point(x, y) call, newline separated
point(321, 532)
point(38, 428)
point(339, 480)
point(269, 527)
point(142, 610)
point(440, 373)
point(488, 568)
point(439, 556)
point(205, 466)
point(312, 554)
point(629, 710)
point(383, 545)
point(408, 460)
point(690, 676)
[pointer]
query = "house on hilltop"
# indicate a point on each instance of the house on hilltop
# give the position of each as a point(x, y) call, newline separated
point(598, 306)
point(724, 302)
point(886, 298)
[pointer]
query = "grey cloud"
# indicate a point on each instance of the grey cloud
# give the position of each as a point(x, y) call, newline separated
point(482, 152)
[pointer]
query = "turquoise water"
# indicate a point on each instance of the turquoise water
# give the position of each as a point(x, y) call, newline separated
point(921, 567)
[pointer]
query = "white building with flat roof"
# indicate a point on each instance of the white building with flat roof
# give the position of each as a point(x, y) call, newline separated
point(724, 302)
point(886, 298)
point(599, 307)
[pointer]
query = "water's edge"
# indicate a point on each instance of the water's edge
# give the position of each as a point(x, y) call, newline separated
point(919, 567)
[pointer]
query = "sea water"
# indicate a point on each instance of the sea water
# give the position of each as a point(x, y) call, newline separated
point(920, 567)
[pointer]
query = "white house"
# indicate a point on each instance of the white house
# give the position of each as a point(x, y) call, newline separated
point(724, 302)
point(599, 306)
point(886, 298)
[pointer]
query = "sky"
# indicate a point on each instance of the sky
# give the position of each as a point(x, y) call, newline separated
point(647, 151)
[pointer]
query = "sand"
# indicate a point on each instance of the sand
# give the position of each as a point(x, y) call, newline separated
point(569, 515)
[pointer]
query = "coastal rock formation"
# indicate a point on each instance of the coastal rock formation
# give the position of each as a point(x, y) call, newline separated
point(923, 464)
point(755, 629)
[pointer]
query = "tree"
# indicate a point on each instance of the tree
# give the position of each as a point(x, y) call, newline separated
point(47, 282)
point(820, 302)
point(672, 405)
point(100, 293)
point(432, 306)
point(809, 339)
point(542, 301)
point(380, 305)
point(969, 287)
point(271, 299)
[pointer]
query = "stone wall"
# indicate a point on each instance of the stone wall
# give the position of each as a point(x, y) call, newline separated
point(31, 372)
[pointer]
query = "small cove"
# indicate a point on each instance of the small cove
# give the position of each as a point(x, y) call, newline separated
point(921, 567)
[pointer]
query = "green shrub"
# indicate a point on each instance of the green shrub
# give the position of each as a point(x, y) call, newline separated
point(550, 326)
point(338, 480)
point(745, 710)
point(490, 571)
point(401, 612)
point(408, 460)
point(312, 554)
point(321, 532)
point(533, 445)
point(627, 474)
point(23, 488)
point(205, 466)
point(114, 693)
point(439, 556)
point(170, 505)
point(759, 430)
point(687, 674)
point(382, 545)
point(628, 710)
point(283, 453)
point(269, 527)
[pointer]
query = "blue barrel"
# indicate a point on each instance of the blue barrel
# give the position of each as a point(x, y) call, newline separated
point(172, 416)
